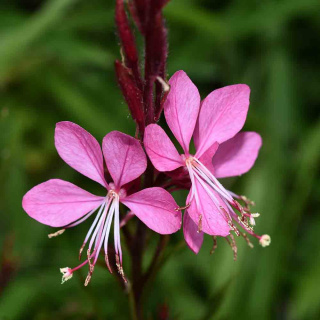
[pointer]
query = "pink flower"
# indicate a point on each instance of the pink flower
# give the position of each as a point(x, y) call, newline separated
point(221, 151)
point(59, 203)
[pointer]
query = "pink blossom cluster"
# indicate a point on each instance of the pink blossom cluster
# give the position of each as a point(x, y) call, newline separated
point(220, 151)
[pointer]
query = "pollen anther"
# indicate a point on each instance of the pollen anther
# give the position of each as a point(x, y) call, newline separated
point(183, 208)
point(56, 234)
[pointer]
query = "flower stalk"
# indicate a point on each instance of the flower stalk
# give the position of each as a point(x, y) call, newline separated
point(144, 95)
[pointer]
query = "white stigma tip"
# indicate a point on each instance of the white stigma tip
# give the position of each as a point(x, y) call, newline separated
point(265, 240)
point(66, 274)
point(255, 215)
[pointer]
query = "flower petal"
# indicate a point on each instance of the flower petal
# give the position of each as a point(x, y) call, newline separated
point(181, 108)
point(237, 155)
point(222, 115)
point(156, 208)
point(206, 158)
point(57, 203)
point(161, 151)
point(212, 220)
point(80, 150)
point(124, 157)
point(193, 238)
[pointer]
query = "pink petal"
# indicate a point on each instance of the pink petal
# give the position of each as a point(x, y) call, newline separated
point(161, 151)
point(181, 108)
point(193, 238)
point(237, 155)
point(222, 115)
point(206, 158)
point(80, 150)
point(57, 203)
point(124, 157)
point(213, 221)
point(156, 208)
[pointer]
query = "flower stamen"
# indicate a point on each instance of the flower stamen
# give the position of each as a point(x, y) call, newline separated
point(215, 245)
point(99, 235)
point(200, 173)
point(233, 246)
point(247, 239)
point(184, 207)
point(200, 224)
point(56, 234)
point(120, 269)
point(106, 259)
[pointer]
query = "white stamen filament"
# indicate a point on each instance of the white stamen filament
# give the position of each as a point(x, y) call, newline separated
point(105, 221)
point(117, 232)
point(212, 180)
point(199, 173)
point(194, 192)
point(100, 242)
point(85, 217)
point(99, 235)
point(106, 238)
point(94, 222)
point(209, 192)
point(102, 218)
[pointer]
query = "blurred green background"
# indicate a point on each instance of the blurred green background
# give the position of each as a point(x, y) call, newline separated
point(56, 63)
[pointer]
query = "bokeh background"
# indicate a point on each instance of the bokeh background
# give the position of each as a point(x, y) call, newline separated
point(56, 63)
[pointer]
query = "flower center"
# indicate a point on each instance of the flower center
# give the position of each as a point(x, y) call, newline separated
point(98, 235)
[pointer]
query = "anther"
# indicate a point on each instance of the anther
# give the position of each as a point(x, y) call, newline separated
point(183, 208)
point(89, 257)
point(200, 224)
point(81, 249)
point(226, 214)
point(234, 228)
point(215, 245)
point(247, 239)
point(106, 258)
point(252, 221)
point(233, 246)
point(244, 223)
point(88, 278)
point(56, 234)
point(247, 201)
point(120, 269)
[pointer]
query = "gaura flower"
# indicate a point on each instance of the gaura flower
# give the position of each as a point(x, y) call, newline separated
point(59, 203)
point(221, 151)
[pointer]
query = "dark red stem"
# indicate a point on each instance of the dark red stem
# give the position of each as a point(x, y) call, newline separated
point(144, 96)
